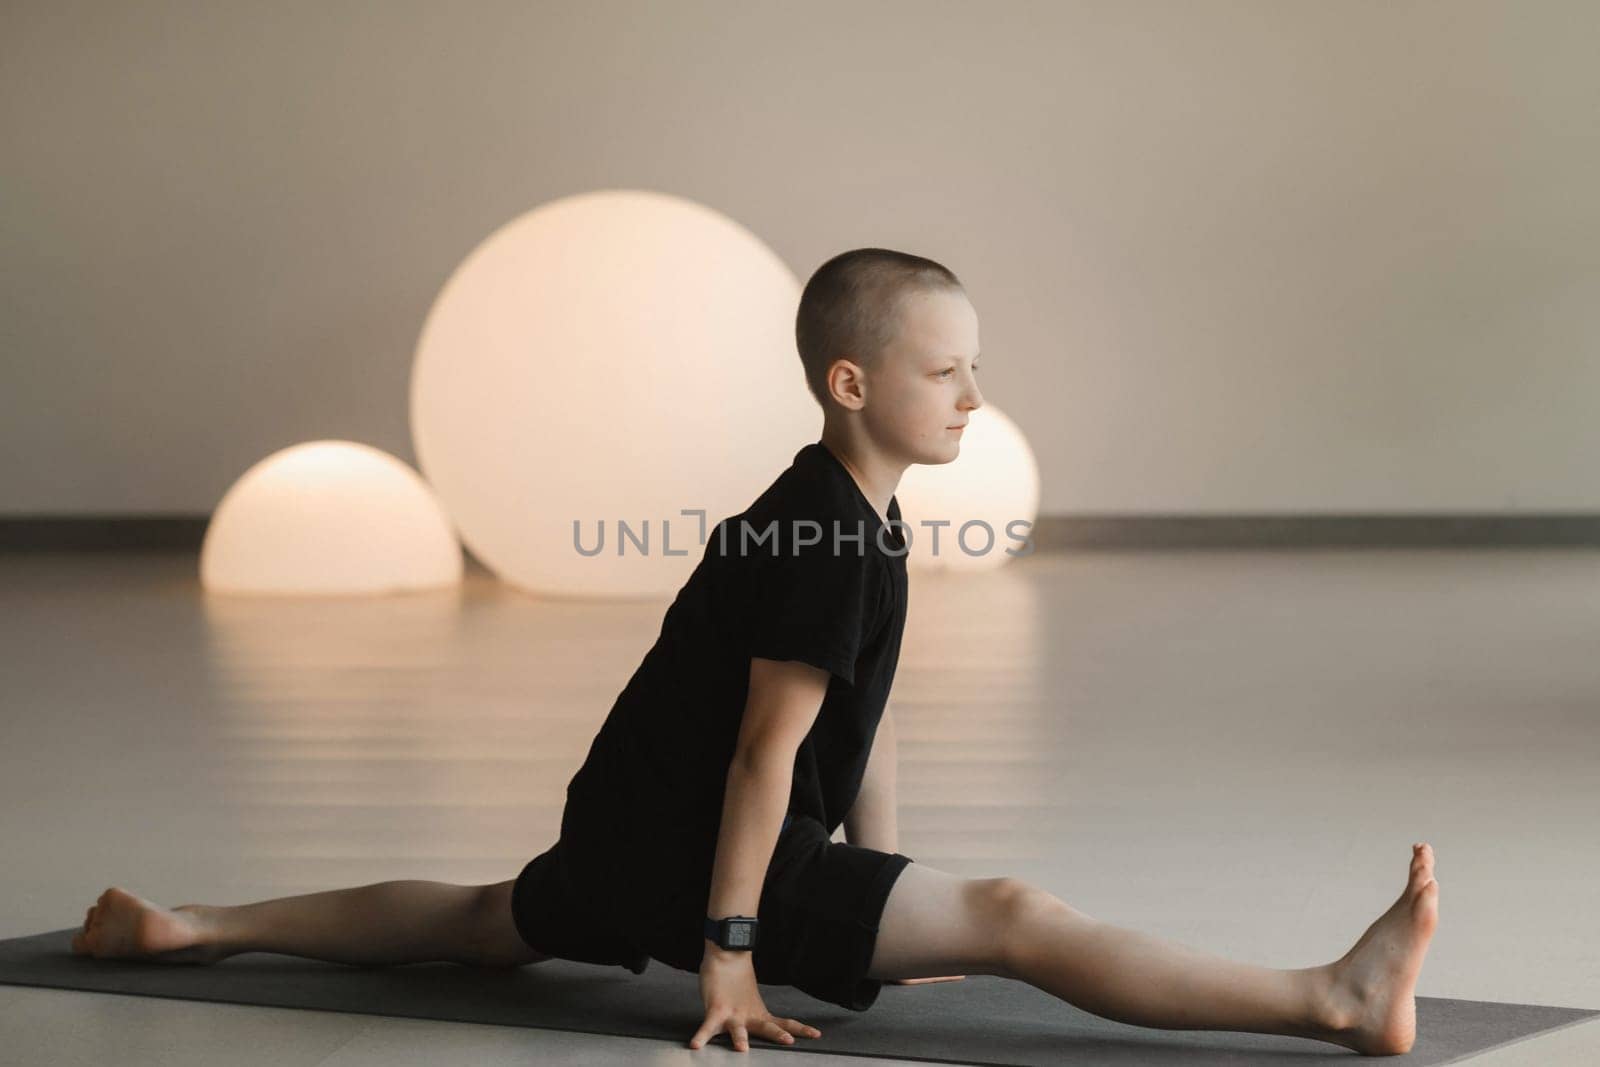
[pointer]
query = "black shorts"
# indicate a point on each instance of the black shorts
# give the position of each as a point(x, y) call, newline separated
point(555, 916)
point(819, 911)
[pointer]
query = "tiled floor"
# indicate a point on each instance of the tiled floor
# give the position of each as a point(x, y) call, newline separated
point(1229, 749)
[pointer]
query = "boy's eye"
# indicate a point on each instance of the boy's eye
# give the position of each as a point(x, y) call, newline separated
point(944, 372)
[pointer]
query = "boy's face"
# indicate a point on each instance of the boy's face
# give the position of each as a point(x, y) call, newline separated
point(923, 385)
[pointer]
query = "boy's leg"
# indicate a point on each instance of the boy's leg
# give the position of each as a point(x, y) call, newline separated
point(385, 923)
point(934, 923)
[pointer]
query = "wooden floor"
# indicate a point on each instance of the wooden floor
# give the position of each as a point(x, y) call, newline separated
point(1231, 749)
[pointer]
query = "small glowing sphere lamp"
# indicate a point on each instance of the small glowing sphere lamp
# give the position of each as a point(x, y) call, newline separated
point(988, 495)
point(609, 358)
point(329, 518)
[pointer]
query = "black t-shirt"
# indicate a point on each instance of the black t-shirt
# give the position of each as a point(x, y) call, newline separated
point(649, 795)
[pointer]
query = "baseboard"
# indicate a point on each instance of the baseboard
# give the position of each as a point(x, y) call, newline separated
point(1317, 531)
point(184, 533)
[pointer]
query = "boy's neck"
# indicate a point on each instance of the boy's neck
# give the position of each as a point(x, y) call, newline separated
point(875, 474)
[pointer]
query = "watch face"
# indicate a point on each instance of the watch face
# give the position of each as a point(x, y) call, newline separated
point(739, 934)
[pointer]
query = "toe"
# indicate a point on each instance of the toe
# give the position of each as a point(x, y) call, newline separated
point(1425, 906)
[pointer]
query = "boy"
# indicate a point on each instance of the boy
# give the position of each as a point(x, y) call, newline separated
point(698, 830)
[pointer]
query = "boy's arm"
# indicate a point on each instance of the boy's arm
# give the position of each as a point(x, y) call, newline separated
point(784, 699)
point(872, 821)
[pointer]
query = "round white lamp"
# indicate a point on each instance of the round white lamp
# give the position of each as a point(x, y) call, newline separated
point(610, 359)
point(329, 517)
point(988, 496)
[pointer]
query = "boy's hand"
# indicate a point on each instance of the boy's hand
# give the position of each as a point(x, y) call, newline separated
point(733, 1003)
point(925, 981)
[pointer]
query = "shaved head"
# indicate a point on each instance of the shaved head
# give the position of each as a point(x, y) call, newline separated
point(851, 308)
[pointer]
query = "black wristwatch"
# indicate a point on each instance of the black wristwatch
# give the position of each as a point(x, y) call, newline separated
point(736, 932)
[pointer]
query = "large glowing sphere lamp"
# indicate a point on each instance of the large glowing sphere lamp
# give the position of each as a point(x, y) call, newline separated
point(329, 518)
point(610, 358)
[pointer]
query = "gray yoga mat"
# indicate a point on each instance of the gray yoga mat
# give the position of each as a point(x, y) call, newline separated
point(981, 1019)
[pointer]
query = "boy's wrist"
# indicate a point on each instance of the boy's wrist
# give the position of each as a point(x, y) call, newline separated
point(716, 952)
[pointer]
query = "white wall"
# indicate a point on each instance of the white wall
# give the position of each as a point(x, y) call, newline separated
point(1229, 257)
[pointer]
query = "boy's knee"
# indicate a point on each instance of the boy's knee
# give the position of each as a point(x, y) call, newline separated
point(1021, 911)
point(1013, 899)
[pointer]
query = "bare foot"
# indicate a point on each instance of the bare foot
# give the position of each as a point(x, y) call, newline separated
point(121, 926)
point(1371, 1005)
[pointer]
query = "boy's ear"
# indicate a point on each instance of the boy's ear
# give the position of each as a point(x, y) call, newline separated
point(846, 383)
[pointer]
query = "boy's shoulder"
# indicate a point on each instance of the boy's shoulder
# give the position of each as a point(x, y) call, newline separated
point(806, 509)
point(810, 490)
